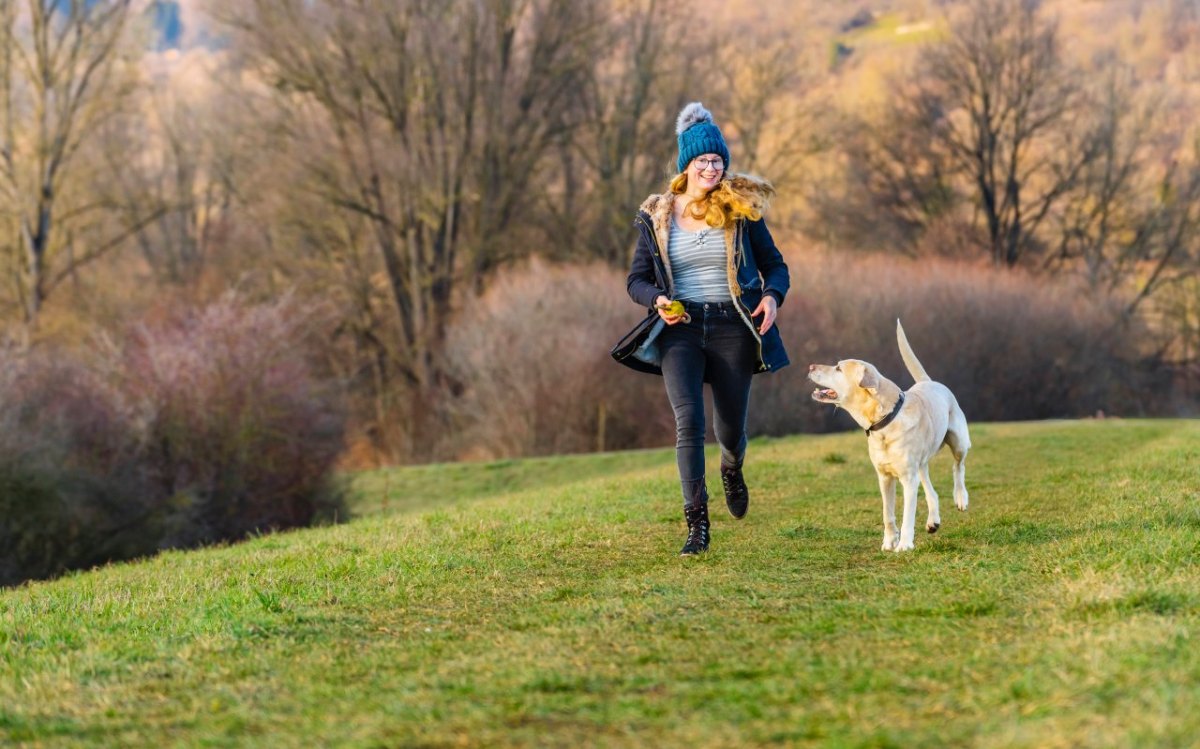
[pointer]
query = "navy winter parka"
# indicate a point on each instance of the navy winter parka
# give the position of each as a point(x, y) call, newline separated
point(754, 264)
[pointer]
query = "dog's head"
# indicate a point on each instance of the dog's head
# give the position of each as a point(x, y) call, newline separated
point(844, 383)
point(855, 386)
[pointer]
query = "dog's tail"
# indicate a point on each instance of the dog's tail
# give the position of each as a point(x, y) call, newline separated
point(910, 359)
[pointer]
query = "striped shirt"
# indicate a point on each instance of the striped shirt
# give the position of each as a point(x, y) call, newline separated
point(698, 264)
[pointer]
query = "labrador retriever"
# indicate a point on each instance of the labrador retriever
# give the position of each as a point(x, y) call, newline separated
point(904, 431)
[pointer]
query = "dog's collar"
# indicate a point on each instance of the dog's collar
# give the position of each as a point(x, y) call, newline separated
point(886, 419)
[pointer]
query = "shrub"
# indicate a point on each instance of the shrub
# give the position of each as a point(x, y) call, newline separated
point(1009, 345)
point(531, 359)
point(204, 428)
point(234, 428)
point(69, 489)
point(530, 356)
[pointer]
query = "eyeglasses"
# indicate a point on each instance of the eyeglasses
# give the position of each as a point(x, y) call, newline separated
point(703, 164)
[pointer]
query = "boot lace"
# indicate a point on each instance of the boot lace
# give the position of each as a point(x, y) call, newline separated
point(735, 486)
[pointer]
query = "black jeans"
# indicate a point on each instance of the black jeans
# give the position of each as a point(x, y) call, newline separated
point(716, 346)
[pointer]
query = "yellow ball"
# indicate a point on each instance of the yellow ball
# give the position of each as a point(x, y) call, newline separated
point(675, 308)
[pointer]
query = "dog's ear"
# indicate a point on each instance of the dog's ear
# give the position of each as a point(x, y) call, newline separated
point(869, 379)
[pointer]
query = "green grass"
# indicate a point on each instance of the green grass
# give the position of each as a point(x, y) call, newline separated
point(540, 603)
point(887, 33)
point(892, 29)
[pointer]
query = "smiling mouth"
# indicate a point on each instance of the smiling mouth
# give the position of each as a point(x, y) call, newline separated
point(825, 395)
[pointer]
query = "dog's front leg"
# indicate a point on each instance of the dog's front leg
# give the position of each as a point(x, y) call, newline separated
point(910, 482)
point(887, 487)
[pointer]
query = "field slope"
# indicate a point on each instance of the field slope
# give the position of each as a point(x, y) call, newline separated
point(540, 603)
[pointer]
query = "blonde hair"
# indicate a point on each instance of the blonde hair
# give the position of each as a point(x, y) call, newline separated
point(735, 197)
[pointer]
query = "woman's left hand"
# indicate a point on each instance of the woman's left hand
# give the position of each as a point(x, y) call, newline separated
point(768, 309)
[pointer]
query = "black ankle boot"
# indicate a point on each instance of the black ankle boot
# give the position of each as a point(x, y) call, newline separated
point(698, 537)
point(737, 496)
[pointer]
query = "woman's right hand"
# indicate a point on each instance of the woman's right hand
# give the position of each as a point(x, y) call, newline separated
point(659, 303)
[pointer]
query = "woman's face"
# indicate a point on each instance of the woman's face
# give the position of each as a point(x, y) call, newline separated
point(706, 171)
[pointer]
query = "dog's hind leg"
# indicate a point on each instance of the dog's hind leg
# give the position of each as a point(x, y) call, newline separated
point(887, 487)
point(911, 484)
point(934, 519)
point(959, 441)
point(960, 480)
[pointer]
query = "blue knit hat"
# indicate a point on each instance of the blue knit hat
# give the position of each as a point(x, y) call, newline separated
point(698, 135)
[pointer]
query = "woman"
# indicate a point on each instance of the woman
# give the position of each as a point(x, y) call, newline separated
point(704, 243)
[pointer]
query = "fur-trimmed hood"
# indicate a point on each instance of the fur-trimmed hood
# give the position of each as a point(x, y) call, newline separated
point(755, 190)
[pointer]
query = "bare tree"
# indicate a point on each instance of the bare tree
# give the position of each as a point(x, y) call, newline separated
point(622, 140)
point(181, 189)
point(1002, 111)
point(197, 130)
point(427, 124)
point(63, 74)
point(1182, 21)
point(1131, 223)
point(1099, 220)
point(1166, 246)
point(894, 173)
point(763, 90)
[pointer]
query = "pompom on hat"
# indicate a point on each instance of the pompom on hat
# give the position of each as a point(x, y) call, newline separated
point(697, 135)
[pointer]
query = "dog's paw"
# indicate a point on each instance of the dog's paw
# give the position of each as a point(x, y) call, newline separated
point(903, 546)
point(961, 502)
point(933, 527)
point(889, 544)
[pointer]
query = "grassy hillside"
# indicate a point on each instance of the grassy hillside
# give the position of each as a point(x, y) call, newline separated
point(1062, 610)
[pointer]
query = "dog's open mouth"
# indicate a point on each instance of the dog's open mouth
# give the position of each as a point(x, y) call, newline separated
point(825, 395)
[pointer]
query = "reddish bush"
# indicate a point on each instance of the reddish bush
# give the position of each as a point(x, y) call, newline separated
point(1010, 346)
point(205, 428)
point(531, 357)
point(70, 493)
point(234, 428)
